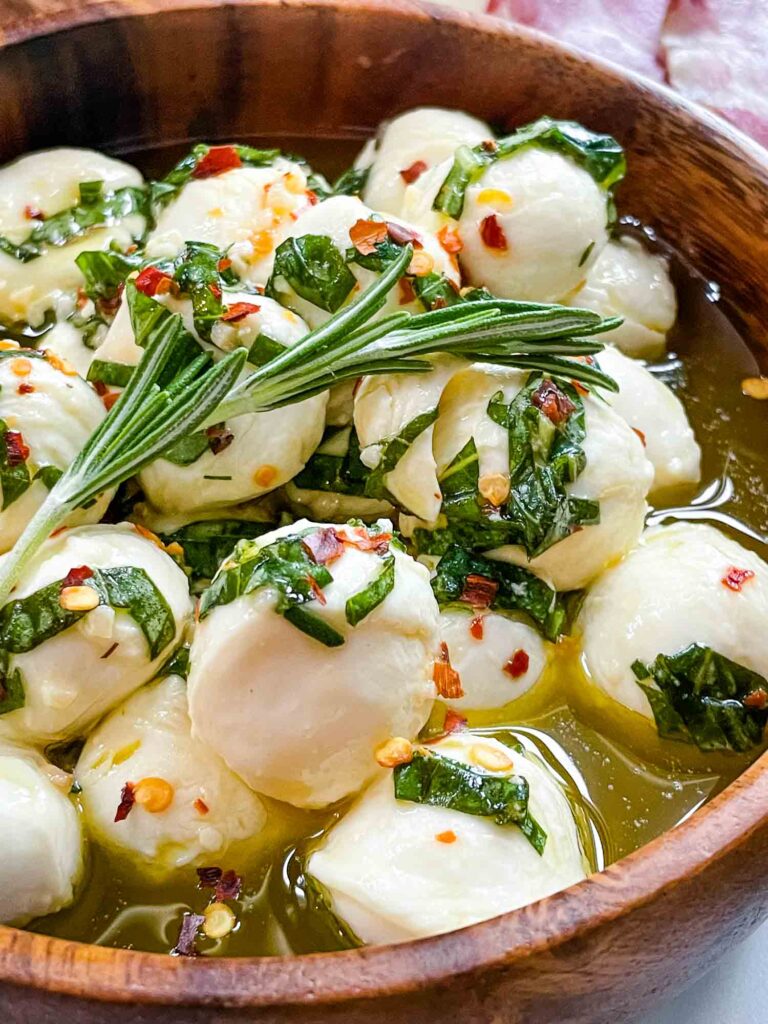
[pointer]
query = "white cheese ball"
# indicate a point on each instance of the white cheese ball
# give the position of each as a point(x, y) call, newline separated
point(629, 281)
point(42, 859)
point(48, 182)
point(667, 594)
point(66, 341)
point(653, 409)
point(72, 678)
point(425, 136)
point(149, 738)
point(384, 406)
point(246, 211)
point(55, 419)
point(392, 877)
point(482, 646)
point(550, 211)
point(617, 474)
point(300, 721)
point(334, 218)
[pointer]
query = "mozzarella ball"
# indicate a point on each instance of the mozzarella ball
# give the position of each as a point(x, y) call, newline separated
point(411, 144)
point(48, 182)
point(655, 411)
point(628, 281)
point(547, 212)
point(384, 407)
point(42, 859)
point(246, 211)
point(66, 342)
point(334, 218)
point(393, 876)
point(498, 658)
point(73, 677)
point(300, 721)
point(55, 412)
point(668, 593)
point(189, 806)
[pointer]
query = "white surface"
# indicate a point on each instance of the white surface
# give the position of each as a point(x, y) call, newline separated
point(731, 993)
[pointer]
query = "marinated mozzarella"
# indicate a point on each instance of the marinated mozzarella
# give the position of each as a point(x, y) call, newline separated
point(497, 657)
point(189, 807)
point(47, 413)
point(410, 145)
point(333, 219)
point(532, 226)
point(246, 211)
point(42, 860)
point(669, 592)
point(65, 340)
point(35, 188)
point(397, 870)
point(296, 719)
point(85, 667)
point(628, 281)
point(657, 415)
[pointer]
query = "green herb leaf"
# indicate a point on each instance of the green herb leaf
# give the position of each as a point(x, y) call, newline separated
point(196, 271)
point(206, 544)
point(392, 451)
point(105, 272)
point(12, 694)
point(15, 477)
point(187, 450)
point(351, 182)
point(362, 604)
point(313, 268)
point(49, 476)
point(338, 473)
point(600, 155)
point(264, 350)
point(518, 589)
point(442, 782)
point(699, 697)
point(115, 374)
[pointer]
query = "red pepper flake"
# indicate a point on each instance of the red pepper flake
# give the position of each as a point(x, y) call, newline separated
point(110, 651)
point(201, 806)
point(453, 722)
point(25, 388)
point(127, 800)
point(109, 307)
point(476, 628)
point(228, 886)
point(217, 160)
point(82, 300)
point(450, 239)
point(359, 538)
point(404, 236)
point(208, 878)
point(16, 450)
point(449, 836)
point(555, 405)
point(407, 294)
point(414, 172)
point(323, 546)
point(219, 438)
point(492, 233)
point(214, 289)
point(100, 388)
point(152, 281)
point(239, 311)
point(185, 944)
point(518, 664)
point(479, 591)
point(365, 235)
point(312, 197)
point(490, 145)
point(109, 399)
point(581, 389)
point(223, 264)
point(735, 578)
point(641, 435)
point(33, 213)
point(757, 699)
point(447, 680)
point(76, 577)
point(317, 590)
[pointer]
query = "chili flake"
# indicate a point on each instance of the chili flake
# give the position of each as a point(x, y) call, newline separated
point(518, 664)
point(447, 680)
point(152, 281)
point(735, 578)
point(239, 311)
point(127, 800)
point(757, 699)
point(317, 590)
point(476, 628)
point(76, 577)
point(641, 435)
point(492, 233)
point(479, 591)
point(414, 172)
point(323, 546)
point(450, 239)
point(228, 886)
point(33, 213)
point(16, 450)
point(555, 405)
point(403, 235)
point(449, 836)
point(365, 235)
point(185, 944)
point(217, 160)
point(359, 538)
point(407, 294)
point(207, 878)
point(219, 438)
point(201, 807)
point(25, 388)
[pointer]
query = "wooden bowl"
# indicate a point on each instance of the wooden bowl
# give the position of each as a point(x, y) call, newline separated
point(122, 75)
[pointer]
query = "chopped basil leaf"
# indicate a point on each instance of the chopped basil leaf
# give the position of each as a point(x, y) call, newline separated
point(339, 474)
point(96, 209)
point(15, 477)
point(164, 191)
point(313, 268)
point(206, 544)
point(442, 782)
point(586, 254)
point(284, 565)
point(177, 664)
point(48, 475)
point(362, 604)
point(29, 621)
point(698, 695)
point(518, 589)
point(116, 374)
point(188, 449)
point(196, 271)
point(12, 694)
point(351, 182)
point(392, 451)
point(264, 350)
point(435, 291)
point(105, 272)
point(149, 319)
point(600, 155)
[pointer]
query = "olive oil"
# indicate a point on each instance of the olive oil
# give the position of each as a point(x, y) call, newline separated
point(626, 785)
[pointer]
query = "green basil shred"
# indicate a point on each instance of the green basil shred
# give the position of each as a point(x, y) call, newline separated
point(360, 605)
point(313, 268)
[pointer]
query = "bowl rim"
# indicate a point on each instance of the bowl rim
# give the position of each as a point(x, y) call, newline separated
point(106, 974)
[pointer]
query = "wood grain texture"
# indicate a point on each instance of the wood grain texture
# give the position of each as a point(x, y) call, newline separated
point(121, 75)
